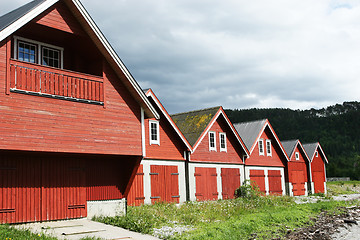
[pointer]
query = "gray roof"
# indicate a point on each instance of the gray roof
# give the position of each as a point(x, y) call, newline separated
point(14, 15)
point(310, 149)
point(192, 124)
point(249, 131)
point(289, 146)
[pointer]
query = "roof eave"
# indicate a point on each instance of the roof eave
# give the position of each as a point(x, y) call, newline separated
point(151, 94)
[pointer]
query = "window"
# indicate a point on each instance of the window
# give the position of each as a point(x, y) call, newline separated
point(37, 52)
point(212, 141)
point(27, 52)
point(297, 156)
point(154, 132)
point(50, 57)
point(261, 147)
point(222, 137)
point(316, 154)
point(268, 147)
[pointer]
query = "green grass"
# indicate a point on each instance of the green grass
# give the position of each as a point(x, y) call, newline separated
point(241, 218)
point(7, 232)
point(343, 187)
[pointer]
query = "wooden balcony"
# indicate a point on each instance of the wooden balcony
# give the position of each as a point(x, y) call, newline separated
point(51, 82)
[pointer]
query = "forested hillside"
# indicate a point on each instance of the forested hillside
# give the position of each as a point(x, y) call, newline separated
point(337, 128)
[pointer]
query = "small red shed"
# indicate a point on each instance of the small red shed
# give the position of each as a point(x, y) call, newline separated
point(267, 161)
point(298, 168)
point(215, 163)
point(161, 176)
point(70, 116)
point(318, 160)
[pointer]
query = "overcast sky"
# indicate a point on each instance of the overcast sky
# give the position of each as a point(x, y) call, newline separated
point(239, 54)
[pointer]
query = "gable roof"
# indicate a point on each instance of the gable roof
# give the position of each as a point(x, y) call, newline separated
point(192, 124)
point(250, 132)
point(150, 94)
point(195, 125)
point(14, 15)
point(291, 145)
point(310, 149)
point(12, 21)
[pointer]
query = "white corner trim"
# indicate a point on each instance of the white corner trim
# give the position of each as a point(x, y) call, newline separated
point(143, 142)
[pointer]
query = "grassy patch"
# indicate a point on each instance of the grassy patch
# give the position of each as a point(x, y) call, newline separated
point(343, 187)
point(241, 218)
point(8, 232)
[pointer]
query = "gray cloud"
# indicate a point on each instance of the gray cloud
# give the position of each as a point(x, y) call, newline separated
point(238, 54)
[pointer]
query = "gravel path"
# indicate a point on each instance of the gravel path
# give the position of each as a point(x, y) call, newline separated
point(345, 226)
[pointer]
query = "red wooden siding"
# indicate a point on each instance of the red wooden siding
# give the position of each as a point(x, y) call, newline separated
point(103, 178)
point(206, 184)
point(230, 182)
point(318, 173)
point(275, 186)
point(164, 183)
point(258, 178)
point(44, 124)
point(298, 172)
point(234, 150)
point(277, 159)
point(136, 194)
point(60, 18)
point(39, 188)
point(171, 146)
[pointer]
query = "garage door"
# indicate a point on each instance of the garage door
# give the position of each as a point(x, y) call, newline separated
point(298, 183)
point(136, 194)
point(40, 189)
point(275, 186)
point(319, 179)
point(230, 178)
point(164, 183)
point(258, 177)
point(206, 184)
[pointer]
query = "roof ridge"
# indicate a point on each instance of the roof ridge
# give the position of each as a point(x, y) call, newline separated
point(264, 119)
point(217, 107)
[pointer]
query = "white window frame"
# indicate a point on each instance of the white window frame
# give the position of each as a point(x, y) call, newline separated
point(152, 141)
point(297, 156)
point(261, 153)
point(210, 147)
point(39, 53)
point(316, 154)
point(222, 149)
point(268, 147)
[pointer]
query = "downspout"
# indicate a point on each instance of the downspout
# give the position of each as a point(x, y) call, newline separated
point(187, 177)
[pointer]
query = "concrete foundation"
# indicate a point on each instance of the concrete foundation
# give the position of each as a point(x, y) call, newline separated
point(109, 208)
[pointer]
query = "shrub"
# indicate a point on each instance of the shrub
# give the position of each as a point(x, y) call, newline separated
point(249, 189)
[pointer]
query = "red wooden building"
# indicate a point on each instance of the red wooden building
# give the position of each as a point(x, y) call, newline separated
point(318, 168)
point(161, 176)
point(70, 116)
point(298, 168)
point(215, 165)
point(267, 162)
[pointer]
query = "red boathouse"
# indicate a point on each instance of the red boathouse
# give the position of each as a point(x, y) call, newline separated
point(70, 116)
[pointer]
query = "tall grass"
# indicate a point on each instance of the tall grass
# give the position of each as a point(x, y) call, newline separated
point(239, 218)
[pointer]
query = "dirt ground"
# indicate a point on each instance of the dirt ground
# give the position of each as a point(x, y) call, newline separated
point(329, 226)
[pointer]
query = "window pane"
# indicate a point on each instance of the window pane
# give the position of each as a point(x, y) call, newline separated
point(27, 52)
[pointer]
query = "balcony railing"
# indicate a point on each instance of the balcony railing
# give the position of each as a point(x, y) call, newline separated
point(56, 83)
